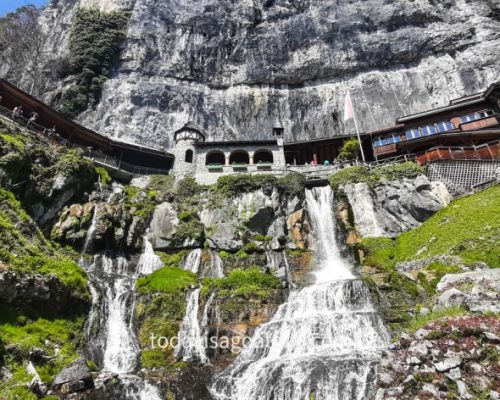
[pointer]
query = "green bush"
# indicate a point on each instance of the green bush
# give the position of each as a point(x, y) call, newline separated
point(244, 283)
point(191, 230)
point(173, 259)
point(104, 175)
point(188, 187)
point(358, 174)
point(232, 185)
point(154, 358)
point(293, 183)
point(166, 280)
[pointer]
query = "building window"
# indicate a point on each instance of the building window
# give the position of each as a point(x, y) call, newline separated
point(239, 157)
point(469, 118)
point(413, 134)
point(428, 130)
point(485, 113)
point(444, 126)
point(189, 156)
point(263, 157)
point(215, 157)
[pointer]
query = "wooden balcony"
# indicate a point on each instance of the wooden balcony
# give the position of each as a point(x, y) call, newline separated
point(387, 149)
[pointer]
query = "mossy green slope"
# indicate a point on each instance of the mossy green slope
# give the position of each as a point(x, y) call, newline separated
point(468, 228)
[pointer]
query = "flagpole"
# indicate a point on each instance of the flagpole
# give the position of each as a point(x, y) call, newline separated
point(357, 134)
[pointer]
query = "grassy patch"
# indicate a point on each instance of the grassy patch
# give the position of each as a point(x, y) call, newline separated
point(468, 228)
point(58, 338)
point(422, 320)
point(166, 280)
point(358, 174)
point(14, 140)
point(173, 259)
point(246, 283)
point(24, 249)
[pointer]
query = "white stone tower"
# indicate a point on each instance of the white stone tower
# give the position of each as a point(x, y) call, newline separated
point(185, 151)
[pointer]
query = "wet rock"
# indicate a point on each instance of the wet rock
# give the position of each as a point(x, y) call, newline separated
point(298, 228)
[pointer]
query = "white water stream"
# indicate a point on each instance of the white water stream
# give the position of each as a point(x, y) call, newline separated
point(112, 285)
point(323, 343)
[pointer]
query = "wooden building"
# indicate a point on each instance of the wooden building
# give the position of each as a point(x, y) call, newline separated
point(130, 154)
point(466, 122)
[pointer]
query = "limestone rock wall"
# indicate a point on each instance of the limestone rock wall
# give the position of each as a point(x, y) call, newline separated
point(393, 207)
point(238, 68)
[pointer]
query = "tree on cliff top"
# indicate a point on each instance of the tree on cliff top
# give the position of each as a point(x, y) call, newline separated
point(22, 57)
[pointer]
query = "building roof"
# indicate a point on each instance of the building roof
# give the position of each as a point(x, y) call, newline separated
point(235, 143)
point(383, 131)
point(454, 104)
point(190, 126)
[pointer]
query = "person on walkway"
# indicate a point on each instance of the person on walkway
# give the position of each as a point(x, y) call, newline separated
point(32, 120)
point(17, 112)
point(326, 163)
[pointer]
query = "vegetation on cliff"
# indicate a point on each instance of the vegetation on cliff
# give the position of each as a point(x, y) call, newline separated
point(372, 176)
point(94, 46)
point(468, 228)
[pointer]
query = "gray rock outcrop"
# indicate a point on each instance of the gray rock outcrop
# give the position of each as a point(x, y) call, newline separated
point(284, 61)
point(393, 207)
point(75, 378)
point(478, 291)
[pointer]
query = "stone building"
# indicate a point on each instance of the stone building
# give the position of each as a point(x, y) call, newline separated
point(206, 161)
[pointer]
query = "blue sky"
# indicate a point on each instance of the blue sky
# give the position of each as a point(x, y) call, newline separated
point(7, 6)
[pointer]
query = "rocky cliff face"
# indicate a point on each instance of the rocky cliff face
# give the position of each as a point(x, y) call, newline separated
point(238, 68)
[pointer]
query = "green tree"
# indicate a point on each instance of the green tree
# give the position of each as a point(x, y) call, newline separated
point(349, 150)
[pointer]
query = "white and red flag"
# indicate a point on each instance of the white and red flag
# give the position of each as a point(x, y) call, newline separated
point(348, 111)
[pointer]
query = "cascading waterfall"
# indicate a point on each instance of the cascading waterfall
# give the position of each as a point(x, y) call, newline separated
point(149, 261)
point(193, 261)
point(90, 233)
point(323, 343)
point(191, 346)
point(108, 331)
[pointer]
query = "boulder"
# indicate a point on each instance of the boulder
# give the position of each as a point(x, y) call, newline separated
point(451, 298)
point(479, 290)
point(163, 225)
point(77, 377)
point(448, 363)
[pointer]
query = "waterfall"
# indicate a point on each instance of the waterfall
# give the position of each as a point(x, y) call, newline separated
point(121, 352)
point(216, 268)
point(112, 285)
point(149, 261)
point(193, 261)
point(323, 343)
point(90, 233)
point(191, 344)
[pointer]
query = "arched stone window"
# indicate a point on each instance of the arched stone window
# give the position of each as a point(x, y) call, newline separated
point(215, 157)
point(189, 156)
point(263, 157)
point(239, 157)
